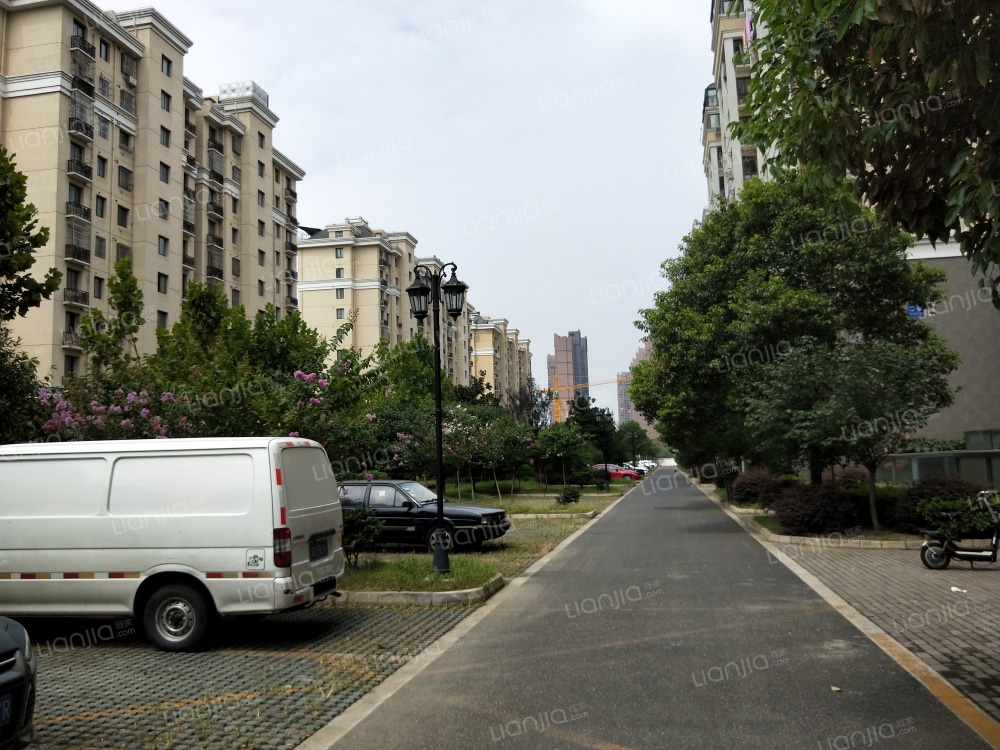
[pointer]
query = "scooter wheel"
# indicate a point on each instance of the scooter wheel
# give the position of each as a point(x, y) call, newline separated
point(934, 556)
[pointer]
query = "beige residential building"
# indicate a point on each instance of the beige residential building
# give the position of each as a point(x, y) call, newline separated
point(625, 411)
point(500, 356)
point(125, 157)
point(567, 367)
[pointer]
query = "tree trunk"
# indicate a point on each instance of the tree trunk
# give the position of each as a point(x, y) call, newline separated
point(876, 526)
point(497, 483)
point(458, 482)
point(473, 480)
point(815, 467)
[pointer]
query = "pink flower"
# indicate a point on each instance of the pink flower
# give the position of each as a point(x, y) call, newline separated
point(127, 424)
point(369, 477)
point(315, 401)
point(144, 413)
point(323, 383)
point(132, 397)
point(299, 375)
point(293, 434)
point(370, 417)
point(167, 397)
point(310, 377)
point(116, 409)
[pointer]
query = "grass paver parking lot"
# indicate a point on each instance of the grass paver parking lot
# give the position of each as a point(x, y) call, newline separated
point(266, 684)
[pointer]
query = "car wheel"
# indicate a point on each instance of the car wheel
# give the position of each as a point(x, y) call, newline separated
point(176, 618)
point(934, 556)
point(449, 538)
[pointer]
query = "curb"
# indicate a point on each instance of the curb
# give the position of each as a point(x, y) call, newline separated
point(522, 516)
point(424, 598)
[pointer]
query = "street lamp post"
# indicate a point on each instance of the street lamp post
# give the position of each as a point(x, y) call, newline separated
point(421, 292)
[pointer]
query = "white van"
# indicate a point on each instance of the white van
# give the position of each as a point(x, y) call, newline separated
point(174, 532)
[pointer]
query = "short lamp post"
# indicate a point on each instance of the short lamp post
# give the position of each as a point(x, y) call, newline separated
point(427, 288)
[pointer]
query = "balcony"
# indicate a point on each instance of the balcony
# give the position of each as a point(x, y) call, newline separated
point(81, 128)
point(189, 128)
point(81, 168)
point(78, 42)
point(215, 145)
point(190, 161)
point(76, 297)
point(122, 252)
point(84, 86)
point(188, 227)
point(291, 194)
point(78, 254)
point(214, 240)
point(291, 247)
point(215, 176)
point(214, 272)
point(292, 303)
point(71, 340)
point(188, 261)
point(78, 209)
point(291, 274)
point(215, 208)
point(189, 193)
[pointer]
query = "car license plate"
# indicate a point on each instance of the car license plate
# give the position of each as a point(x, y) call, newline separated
point(6, 709)
point(319, 548)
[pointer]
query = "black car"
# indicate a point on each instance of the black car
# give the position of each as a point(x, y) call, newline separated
point(17, 686)
point(409, 514)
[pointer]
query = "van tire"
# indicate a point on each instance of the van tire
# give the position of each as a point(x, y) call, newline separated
point(176, 618)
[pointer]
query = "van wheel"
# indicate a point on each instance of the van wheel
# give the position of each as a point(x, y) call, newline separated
point(176, 618)
point(449, 538)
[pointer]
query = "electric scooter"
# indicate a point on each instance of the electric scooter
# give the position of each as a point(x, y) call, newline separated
point(941, 546)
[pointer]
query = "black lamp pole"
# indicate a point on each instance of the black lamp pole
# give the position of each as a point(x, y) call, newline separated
point(454, 300)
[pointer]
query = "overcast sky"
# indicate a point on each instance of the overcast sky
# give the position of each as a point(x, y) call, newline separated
point(551, 149)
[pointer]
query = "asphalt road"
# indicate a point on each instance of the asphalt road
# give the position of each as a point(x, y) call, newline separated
point(663, 626)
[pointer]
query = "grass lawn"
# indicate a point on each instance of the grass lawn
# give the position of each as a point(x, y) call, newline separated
point(405, 569)
point(541, 505)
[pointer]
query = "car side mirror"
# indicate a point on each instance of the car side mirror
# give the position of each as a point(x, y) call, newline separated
point(409, 504)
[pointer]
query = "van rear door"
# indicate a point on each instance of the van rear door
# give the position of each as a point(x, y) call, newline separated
point(313, 514)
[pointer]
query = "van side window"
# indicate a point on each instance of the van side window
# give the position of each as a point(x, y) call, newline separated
point(382, 495)
point(352, 495)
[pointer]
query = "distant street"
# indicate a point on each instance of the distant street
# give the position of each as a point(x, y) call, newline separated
point(663, 626)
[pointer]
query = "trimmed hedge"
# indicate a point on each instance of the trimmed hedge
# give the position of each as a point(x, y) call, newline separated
point(815, 509)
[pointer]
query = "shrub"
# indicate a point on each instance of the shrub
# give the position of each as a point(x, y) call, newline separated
point(361, 528)
point(748, 486)
point(890, 504)
point(568, 495)
point(814, 509)
point(847, 477)
point(972, 519)
point(951, 490)
point(774, 489)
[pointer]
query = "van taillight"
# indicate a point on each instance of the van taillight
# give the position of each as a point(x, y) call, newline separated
point(282, 548)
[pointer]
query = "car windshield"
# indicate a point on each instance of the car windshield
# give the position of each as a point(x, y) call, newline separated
point(418, 492)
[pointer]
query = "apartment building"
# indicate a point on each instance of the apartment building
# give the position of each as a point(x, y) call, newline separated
point(567, 366)
point(500, 356)
point(625, 411)
point(125, 157)
point(728, 163)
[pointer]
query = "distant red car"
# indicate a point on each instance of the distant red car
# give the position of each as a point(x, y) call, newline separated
point(616, 471)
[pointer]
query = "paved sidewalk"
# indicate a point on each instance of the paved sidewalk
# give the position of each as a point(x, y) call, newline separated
point(949, 619)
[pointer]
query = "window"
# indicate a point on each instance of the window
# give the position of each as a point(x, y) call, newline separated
point(338, 233)
point(277, 230)
point(260, 198)
point(236, 298)
point(742, 88)
point(277, 258)
point(260, 228)
point(340, 294)
point(161, 319)
point(165, 65)
point(161, 282)
point(237, 144)
point(163, 208)
point(749, 166)
point(124, 178)
point(260, 169)
point(103, 127)
point(236, 236)
point(164, 137)
point(122, 216)
point(339, 273)
point(236, 205)
point(737, 49)
point(713, 121)
point(100, 247)
point(184, 286)
point(260, 139)
point(125, 141)
point(98, 287)
point(260, 257)
point(102, 166)
point(277, 176)
point(165, 101)
point(75, 194)
point(163, 246)
point(104, 50)
point(69, 366)
point(237, 266)
point(79, 30)
point(164, 172)
point(100, 205)
point(340, 313)
point(260, 288)
point(72, 279)
point(339, 252)
point(237, 175)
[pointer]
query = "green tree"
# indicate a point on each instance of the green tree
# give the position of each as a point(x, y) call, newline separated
point(18, 391)
point(111, 342)
point(20, 236)
point(530, 404)
point(596, 422)
point(634, 441)
point(785, 263)
point(900, 95)
point(561, 450)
